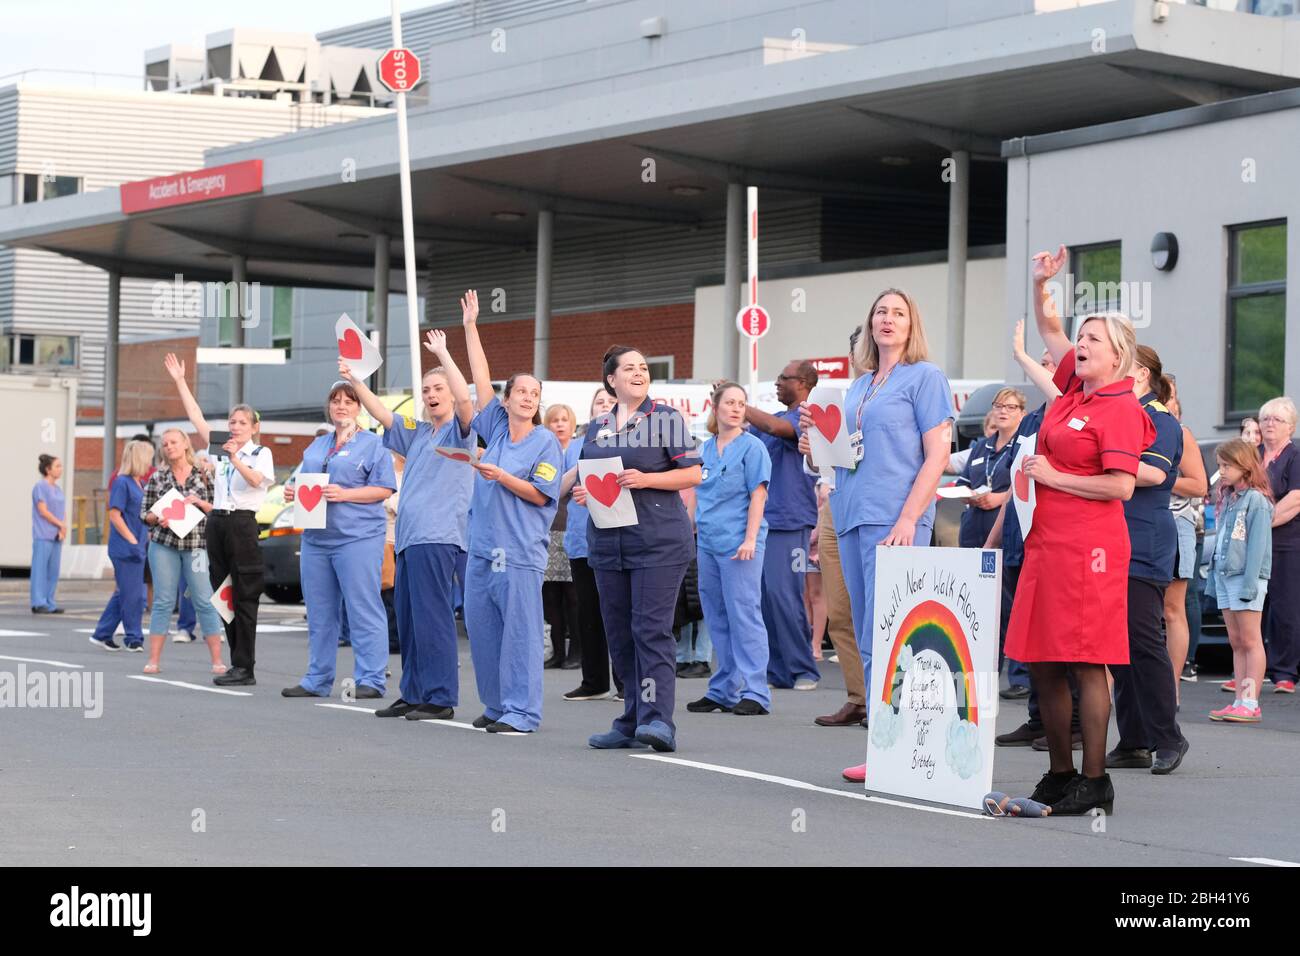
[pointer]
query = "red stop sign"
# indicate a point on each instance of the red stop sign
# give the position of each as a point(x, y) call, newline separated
point(753, 321)
point(399, 70)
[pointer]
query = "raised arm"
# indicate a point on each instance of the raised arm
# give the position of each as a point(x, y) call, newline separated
point(1038, 375)
point(478, 363)
point(1046, 265)
point(436, 342)
point(770, 424)
point(369, 400)
point(176, 369)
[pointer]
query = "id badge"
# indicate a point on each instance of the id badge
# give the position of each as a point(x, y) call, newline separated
point(855, 441)
point(1077, 424)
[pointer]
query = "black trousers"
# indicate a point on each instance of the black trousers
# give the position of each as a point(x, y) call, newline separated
point(233, 550)
point(1282, 617)
point(560, 610)
point(591, 629)
point(1145, 695)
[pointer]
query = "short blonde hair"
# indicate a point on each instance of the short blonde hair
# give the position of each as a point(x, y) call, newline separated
point(137, 459)
point(1119, 331)
point(867, 356)
point(1280, 407)
point(561, 409)
point(1015, 393)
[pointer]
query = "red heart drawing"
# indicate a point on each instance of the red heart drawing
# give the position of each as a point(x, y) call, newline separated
point(454, 455)
point(175, 511)
point(350, 345)
point(309, 495)
point(227, 595)
point(1022, 484)
point(827, 420)
point(605, 489)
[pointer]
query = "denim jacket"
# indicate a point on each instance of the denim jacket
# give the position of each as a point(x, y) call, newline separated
point(1244, 541)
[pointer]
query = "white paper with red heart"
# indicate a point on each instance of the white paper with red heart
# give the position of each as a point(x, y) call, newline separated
point(1022, 486)
point(181, 517)
point(309, 499)
point(355, 346)
point(828, 439)
point(461, 455)
point(609, 503)
point(223, 599)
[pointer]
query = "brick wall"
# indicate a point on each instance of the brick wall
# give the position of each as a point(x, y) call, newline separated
point(144, 389)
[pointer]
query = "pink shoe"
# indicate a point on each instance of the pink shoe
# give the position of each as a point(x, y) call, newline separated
point(1236, 714)
point(1284, 687)
point(1228, 687)
point(856, 774)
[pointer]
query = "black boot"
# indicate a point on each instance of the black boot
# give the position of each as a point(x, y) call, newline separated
point(1054, 786)
point(1086, 794)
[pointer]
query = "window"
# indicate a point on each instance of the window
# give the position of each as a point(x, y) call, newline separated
point(37, 186)
point(661, 367)
point(40, 351)
point(282, 320)
point(1256, 316)
point(1095, 278)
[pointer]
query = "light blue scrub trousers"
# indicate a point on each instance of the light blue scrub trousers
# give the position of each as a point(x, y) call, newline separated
point(858, 559)
point(331, 575)
point(731, 592)
point(46, 555)
point(503, 615)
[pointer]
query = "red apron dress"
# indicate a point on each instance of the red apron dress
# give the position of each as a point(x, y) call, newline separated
point(1071, 601)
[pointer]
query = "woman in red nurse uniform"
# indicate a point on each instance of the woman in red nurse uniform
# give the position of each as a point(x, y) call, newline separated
point(1071, 609)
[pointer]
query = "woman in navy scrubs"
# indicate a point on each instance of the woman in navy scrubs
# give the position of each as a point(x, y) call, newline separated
point(341, 562)
point(516, 495)
point(639, 568)
point(988, 469)
point(732, 530)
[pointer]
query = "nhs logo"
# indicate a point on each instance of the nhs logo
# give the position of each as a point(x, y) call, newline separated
point(988, 562)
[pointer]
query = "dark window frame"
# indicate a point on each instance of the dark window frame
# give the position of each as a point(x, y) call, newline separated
point(1234, 294)
point(1068, 313)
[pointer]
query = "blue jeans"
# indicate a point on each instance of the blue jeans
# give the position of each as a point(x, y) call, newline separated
point(126, 606)
point(187, 618)
point(168, 565)
point(45, 572)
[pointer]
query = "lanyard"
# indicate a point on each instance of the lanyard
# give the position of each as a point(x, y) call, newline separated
point(335, 450)
point(991, 464)
point(871, 392)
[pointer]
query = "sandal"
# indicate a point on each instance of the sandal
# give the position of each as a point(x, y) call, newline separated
point(218, 668)
point(152, 668)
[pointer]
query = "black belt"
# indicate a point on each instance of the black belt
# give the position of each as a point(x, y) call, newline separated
point(233, 511)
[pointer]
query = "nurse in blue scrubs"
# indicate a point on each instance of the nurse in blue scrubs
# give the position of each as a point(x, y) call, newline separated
point(432, 530)
point(900, 413)
point(515, 498)
point(640, 568)
point(732, 533)
point(341, 562)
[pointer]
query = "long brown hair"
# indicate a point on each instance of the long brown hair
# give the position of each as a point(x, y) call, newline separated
point(917, 349)
point(1149, 359)
point(1243, 455)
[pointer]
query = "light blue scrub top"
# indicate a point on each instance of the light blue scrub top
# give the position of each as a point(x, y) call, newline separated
point(502, 526)
point(914, 399)
point(434, 504)
point(363, 462)
point(575, 527)
point(722, 497)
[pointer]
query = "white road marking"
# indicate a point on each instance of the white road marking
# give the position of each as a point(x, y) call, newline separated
point(1262, 861)
point(801, 785)
point(441, 723)
point(22, 634)
point(37, 660)
point(181, 683)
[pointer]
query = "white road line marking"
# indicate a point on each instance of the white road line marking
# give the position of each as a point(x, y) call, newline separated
point(181, 683)
point(1262, 861)
point(801, 785)
point(37, 660)
point(4, 633)
point(442, 723)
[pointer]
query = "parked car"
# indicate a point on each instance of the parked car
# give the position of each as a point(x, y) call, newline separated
point(281, 545)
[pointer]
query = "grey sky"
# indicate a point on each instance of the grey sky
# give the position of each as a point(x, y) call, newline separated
point(111, 37)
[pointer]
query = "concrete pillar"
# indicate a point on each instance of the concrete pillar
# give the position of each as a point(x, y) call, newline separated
point(734, 269)
point(239, 276)
point(110, 377)
point(383, 250)
point(542, 319)
point(958, 227)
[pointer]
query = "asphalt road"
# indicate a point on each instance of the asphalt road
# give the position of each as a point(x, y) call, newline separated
point(181, 775)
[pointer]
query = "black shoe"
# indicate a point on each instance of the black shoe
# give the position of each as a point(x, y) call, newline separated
point(40, 610)
point(681, 668)
point(618, 695)
point(430, 712)
point(571, 663)
point(237, 676)
point(483, 721)
point(1166, 761)
point(501, 727)
point(864, 723)
point(707, 705)
point(583, 692)
point(1138, 758)
point(1014, 692)
point(108, 645)
point(55, 610)
point(297, 690)
point(553, 663)
point(1054, 786)
point(1022, 736)
point(748, 708)
point(135, 648)
point(366, 692)
point(398, 708)
point(1076, 741)
point(697, 669)
point(1189, 673)
point(1086, 794)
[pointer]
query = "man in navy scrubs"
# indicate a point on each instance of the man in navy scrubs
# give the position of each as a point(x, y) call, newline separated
point(791, 515)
